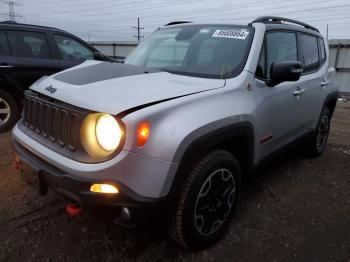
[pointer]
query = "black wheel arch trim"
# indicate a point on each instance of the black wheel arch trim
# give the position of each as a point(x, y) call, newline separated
point(11, 87)
point(330, 97)
point(210, 140)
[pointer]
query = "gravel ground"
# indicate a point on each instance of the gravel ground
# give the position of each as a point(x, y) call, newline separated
point(295, 209)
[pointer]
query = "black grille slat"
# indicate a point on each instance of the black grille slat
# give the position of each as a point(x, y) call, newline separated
point(53, 121)
point(74, 137)
point(55, 124)
point(39, 112)
point(45, 120)
point(33, 115)
point(63, 131)
point(29, 113)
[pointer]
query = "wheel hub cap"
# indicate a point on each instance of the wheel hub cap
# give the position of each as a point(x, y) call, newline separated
point(322, 133)
point(5, 111)
point(214, 201)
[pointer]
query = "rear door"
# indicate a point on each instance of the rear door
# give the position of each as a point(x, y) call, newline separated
point(277, 113)
point(31, 57)
point(71, 51)
point(313, 80)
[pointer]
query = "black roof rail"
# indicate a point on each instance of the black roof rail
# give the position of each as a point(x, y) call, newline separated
point(280, 20)
point(177, 23)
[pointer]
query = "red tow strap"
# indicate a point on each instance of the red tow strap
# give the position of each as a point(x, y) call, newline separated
point(73, 210)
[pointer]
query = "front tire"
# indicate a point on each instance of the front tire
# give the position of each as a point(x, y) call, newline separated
point(207, 201)
point(317, 143)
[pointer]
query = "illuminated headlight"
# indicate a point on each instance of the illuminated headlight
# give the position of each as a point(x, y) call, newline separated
point(101, 135)
point(108, 132)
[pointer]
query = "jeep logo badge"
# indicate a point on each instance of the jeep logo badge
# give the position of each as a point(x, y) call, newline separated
point(51, 89)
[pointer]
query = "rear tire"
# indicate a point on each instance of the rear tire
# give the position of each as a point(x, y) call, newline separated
point(207, 201)
point(316, 145)
point(9, 111)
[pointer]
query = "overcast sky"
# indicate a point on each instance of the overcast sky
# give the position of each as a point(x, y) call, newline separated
point(114, 19)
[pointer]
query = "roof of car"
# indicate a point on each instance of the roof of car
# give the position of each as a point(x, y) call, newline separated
point(28, 26)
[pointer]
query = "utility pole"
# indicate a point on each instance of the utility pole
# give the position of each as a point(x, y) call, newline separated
point(12, 15)
point(327, 31)
point(138, 36)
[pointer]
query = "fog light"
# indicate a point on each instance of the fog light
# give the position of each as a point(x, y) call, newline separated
point(104, 188)
point(126, 213)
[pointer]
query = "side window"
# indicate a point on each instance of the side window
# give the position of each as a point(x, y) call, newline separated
point(28, 44)
point(260, 69)
point(308, 52)
point(322, 50)
point(72, 50)
point(280, 46)
point(4, 45)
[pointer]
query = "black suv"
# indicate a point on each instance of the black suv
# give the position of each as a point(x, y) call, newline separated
point(28, 52)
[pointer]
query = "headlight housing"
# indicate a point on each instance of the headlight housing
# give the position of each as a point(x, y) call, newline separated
point(101, 135)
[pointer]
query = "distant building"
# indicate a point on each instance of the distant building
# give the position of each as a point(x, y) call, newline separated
point(117, 50)
point(340, 60)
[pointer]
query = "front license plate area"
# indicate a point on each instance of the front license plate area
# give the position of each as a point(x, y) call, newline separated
point(33, 177)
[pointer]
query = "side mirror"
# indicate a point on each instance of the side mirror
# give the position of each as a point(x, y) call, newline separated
point(101, 57)
point(98, 56)
point(284, 71)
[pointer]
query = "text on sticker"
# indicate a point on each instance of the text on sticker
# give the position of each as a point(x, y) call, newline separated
point(236, 34)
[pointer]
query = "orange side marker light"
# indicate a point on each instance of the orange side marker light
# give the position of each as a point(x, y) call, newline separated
point(143, 133)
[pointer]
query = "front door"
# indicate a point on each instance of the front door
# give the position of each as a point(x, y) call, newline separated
point(277, 107)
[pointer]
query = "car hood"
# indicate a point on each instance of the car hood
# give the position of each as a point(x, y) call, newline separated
point(114, 88)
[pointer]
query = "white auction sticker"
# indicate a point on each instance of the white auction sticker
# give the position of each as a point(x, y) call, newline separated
point(236, 33)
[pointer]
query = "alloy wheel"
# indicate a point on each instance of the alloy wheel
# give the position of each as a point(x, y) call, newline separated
point(322, 133)
point(5, 111)
point(214, 201)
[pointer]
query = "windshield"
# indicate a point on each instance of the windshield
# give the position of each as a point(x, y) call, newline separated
point(213, 51)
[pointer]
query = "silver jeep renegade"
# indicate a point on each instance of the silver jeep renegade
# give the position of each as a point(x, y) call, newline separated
point(173, 130)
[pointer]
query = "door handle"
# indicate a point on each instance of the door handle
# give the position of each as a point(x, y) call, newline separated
point(299, 92)
point(324, 83)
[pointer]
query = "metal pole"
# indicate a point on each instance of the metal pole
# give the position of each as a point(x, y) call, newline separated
point(138, 36)
point(138, 29)
point(11, 12)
